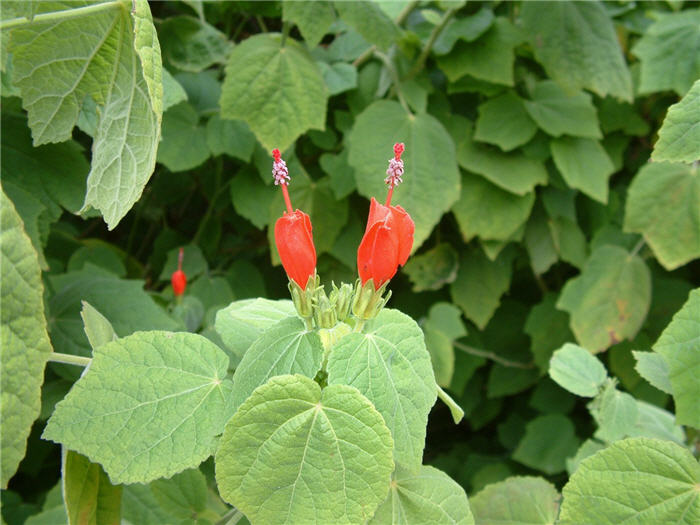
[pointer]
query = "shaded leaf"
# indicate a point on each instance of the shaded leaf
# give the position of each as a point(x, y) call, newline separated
point(609, 301)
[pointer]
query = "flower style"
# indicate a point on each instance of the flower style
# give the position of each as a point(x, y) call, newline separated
point(293, 237)
point(178, 279)
point(388, 237)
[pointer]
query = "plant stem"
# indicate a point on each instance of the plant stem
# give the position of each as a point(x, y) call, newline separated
point(359, 325)
point(69, 359)
point(420, 62)
point(261, 23)
point(403, 15)
point(490, 355)
point(59, 16)
point(394, 78)
point(286, 26)
point(637, 247)
point(232, 517)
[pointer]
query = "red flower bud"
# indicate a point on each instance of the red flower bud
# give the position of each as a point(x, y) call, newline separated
point(386, 244)
point(178, 278)
point(388, 237)
point(295, 243)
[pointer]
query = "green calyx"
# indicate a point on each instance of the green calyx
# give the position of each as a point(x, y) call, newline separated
point(368, 302)
point(304, 299)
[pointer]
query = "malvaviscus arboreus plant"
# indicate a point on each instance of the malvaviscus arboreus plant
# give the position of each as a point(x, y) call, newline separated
point(548, 258)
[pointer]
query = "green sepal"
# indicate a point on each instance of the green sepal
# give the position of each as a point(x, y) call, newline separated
point(368, 302)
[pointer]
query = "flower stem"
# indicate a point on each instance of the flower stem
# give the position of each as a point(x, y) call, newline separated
point(359, 326)
point(287, 200)
point(58, 16)
point(69, 359)
point(388, 196)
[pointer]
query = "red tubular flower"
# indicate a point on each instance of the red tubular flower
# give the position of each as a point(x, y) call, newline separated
point(388, 237)
point(295, 243)
point(178, 278)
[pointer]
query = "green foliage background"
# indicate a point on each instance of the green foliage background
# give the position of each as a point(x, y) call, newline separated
point(540, 219)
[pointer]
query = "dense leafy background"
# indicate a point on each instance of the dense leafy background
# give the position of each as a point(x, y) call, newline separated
point(539, 221)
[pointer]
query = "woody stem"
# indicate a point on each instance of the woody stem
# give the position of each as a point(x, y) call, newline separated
point(287, 201)
point(388, 195)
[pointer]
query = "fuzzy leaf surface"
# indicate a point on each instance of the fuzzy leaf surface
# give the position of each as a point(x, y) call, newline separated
point(278, 91)
point(390, 365)
point(150, 406)
point(24, 342)
point(306, 455)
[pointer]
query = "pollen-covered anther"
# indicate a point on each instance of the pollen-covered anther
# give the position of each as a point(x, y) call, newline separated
point(395, 170)
point(279, 169)
point(394, 173)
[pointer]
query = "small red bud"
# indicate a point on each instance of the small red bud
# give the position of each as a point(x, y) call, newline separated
point(178, 278)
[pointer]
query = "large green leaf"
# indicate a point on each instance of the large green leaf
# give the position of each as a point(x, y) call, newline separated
point(297, 453)
point(489, 58)
point(431, 179)
point(560, 113)
point(313, 19)
point(663, 204)
point(24, 343)
point(150, 405)
point(368, 19)
point(584, 164)
point(577, 45)
point(609, 301)
point(669, 52)
point(634, 481)
point(390, 365)
point(242, 322)
point(430, 496)
point(487, 211)
point(504, 122)
point(678, 345)
point(277, 90)
point(89, 496)
point(679, 135)
point(576, 370)
point(480, 284)
point(286, 347)
point(514, 172)
point(114, 59)
point(516, 501)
